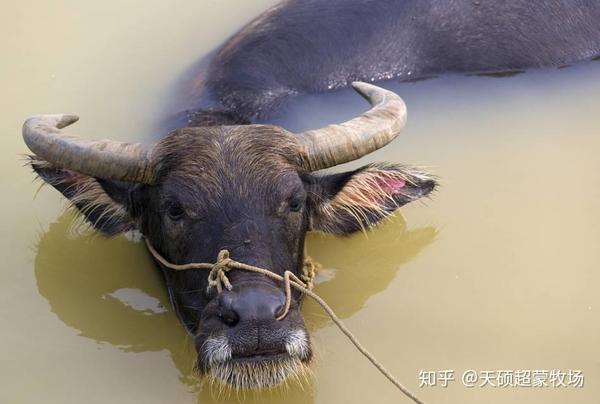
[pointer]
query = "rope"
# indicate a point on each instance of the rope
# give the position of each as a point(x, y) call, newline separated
point(217, 278)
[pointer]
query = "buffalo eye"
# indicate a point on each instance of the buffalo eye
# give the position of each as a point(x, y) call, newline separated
point(175, 212)
point(296, 204)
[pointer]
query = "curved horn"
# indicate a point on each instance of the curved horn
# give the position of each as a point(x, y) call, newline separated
point(337, 144)
point(99, 158)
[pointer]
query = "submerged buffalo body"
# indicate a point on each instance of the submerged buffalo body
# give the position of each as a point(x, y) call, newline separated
point(223, 183)
point(311, 46)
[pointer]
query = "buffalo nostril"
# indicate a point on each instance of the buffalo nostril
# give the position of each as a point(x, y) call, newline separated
point(229, 317)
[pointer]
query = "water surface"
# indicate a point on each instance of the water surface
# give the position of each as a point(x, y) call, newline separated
point(499, 270)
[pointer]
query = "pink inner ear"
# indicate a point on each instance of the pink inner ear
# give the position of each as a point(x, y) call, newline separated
point(391, 185)
point(369, 193)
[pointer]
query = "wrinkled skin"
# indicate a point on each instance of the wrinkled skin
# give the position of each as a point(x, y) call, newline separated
point(239, 188)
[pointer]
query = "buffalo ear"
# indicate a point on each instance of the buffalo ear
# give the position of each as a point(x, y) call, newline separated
point(109, 206)
point(347, 202)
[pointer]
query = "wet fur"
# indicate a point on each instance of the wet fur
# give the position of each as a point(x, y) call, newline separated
point(225, 374)
point(251, 376)
point(311, 46)
point(364, 200)
point(87, 197)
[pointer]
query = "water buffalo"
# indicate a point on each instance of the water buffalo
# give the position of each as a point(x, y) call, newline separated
point(222, 182)
point(247, 188)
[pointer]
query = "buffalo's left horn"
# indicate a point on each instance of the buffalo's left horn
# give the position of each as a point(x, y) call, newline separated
point(340, 143)
point(98, 158)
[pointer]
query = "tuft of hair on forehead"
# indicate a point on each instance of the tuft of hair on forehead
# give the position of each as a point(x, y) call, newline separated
point(218, 155)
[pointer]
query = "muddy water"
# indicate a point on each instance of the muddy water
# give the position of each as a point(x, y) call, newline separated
point(499, 270)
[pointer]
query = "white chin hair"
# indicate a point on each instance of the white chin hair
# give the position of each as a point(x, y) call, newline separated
point(261, 375)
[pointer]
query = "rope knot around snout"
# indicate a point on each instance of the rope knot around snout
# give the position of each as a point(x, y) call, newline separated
point(217, 276)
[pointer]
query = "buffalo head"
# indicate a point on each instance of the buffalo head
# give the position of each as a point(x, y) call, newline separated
point(250, 189)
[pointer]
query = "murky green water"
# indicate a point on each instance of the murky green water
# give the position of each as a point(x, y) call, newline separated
point(500, 270)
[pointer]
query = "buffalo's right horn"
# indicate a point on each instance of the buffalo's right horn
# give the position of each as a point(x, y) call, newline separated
point(341, 143)
point(98, 158)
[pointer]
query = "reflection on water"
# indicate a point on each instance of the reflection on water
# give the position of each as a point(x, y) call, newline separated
point(109, 291)
point(363, 264)
point(86, 281)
